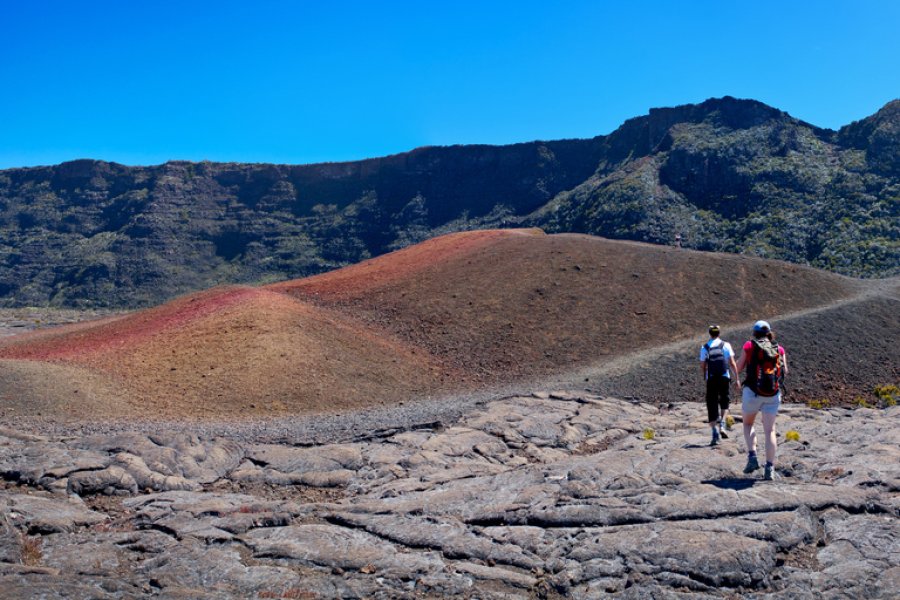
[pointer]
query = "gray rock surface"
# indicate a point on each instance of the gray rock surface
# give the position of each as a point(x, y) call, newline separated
point(112, 480)
point(40, 514)
point(551, 495)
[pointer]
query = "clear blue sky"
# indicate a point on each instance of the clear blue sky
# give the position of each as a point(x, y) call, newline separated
point(296, 82)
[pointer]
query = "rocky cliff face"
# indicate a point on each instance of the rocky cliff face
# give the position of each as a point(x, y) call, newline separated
point(738, 176)
point(727, 174)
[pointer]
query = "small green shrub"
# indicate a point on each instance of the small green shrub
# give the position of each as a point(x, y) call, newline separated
point(792, 436)
point(819, 404)
point(648, 434)
point(888, 394)
point(729, 421)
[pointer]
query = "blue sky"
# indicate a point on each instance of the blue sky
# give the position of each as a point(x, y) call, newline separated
point(298, 82)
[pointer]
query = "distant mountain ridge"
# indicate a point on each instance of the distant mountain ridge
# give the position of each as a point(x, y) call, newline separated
point(726, 174)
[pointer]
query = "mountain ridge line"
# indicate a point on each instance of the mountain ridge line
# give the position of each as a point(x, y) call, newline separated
point(725, 175)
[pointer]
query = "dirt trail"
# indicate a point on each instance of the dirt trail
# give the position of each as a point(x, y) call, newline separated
point(633, 360)
point(646, 364)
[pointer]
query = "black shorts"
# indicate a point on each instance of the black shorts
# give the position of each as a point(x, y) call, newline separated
point(717, 390)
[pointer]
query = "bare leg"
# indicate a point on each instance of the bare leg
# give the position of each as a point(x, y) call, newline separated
point(771, 440)
point(750, 432)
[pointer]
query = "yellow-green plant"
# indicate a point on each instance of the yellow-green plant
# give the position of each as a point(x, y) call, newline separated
point(888, 394)
point(729, 420)
point(792, 436)
point(648, 434)
point(819, 404)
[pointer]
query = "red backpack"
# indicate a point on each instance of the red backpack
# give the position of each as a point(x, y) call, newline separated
point(764, 368)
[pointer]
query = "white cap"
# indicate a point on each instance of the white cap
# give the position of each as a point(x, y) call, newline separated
point(761, 327)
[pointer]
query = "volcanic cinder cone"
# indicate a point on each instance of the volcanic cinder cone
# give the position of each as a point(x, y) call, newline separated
point(456, 313)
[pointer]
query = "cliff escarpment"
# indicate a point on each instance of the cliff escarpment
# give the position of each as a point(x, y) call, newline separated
point(726, 175)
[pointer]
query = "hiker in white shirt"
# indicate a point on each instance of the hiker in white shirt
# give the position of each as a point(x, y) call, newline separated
point(716, 356)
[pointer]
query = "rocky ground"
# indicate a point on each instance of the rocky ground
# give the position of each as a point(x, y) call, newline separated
point(540, 496)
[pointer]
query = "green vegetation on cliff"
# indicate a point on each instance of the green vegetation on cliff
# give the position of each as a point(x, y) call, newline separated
point(743, 177)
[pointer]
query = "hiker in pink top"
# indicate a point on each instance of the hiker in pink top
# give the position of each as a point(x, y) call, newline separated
point(766, 365)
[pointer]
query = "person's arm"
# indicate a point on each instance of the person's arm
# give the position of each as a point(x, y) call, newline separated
point(784, 362)
point(741, 363)
point(704, 357)
point(737, 372)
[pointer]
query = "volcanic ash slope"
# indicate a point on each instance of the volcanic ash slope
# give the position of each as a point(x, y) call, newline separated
point(225, 352)
point(456, 314)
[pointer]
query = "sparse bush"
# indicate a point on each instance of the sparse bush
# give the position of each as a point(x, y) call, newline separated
point(31, 549)
point(648, 434)
point(862, 402)
point(819, 404)
point(887, 394)
point(729, 421)
point(792, 436)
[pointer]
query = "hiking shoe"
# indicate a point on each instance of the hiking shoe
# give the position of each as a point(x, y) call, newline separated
point(770, 474)
point(715, 441)
point(722, 434)
point(752, 465)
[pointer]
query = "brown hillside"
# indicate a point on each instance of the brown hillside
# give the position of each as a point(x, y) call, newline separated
point(458, 313)
point(401, 265)
point(529, 305)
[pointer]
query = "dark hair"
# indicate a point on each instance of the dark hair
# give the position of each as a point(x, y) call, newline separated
point(771, 335)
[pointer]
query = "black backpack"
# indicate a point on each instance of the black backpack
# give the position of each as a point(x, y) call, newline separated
point(764, 368)
point(716, 365)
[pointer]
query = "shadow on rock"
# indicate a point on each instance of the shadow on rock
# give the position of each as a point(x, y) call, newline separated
point(731, 483)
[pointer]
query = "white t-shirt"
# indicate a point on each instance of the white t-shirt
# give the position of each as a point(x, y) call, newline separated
point(729, 354)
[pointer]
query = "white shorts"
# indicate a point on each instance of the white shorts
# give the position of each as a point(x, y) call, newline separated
point(752, 404)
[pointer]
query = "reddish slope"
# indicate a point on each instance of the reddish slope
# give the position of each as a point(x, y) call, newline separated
point(228, 351)
point(399, 266)
point(111, 334)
